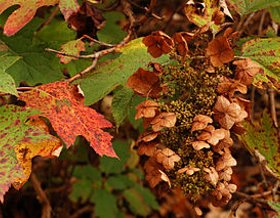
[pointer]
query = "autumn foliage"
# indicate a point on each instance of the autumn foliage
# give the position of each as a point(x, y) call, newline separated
point(142, 114)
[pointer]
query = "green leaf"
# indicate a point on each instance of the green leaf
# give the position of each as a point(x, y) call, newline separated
point(265, 52)
point(34, 65)
point(275, 13)
point(105, 204)
point(247, 6)
point(113, 73)
point(149, 198)
point(121, 104)
point(14, 131)
point(265, 141)
point(275, 206)
point(81, 190)
point(7, 83)
point(112, 32)
point(112, 165)
point(136, 202)
point(89, 172)
point(120, 182)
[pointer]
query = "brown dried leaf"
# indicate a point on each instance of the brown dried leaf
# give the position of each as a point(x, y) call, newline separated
point(200, 122)
point(147, 136)
point(158, 43)
point(226, 142)
point(218, 16)
point(153, 175)
point(165, 119)
point(222, 194)
point(146, 109)
point(212, 135)
point(220, 51)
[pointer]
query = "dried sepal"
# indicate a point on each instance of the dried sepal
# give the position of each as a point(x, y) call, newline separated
point(230, 86)
point(188, 170)
point(147, 136)
point(200, 122)
point(222, 194)
point(227, 113)
point(212, 135)
point(144, 83)
point(220, 51)
point(198, 145)
point(226, 160)
point(165, 178)
point(153, 176)
point(226, 142)
point(225, 174)
point(181, 44)
point(246, 70)
point(157, 68)
point(164, 119)
point(146, 109)
point(158, 43)
point(167, 158)
point(147, 149)
point(211, 175)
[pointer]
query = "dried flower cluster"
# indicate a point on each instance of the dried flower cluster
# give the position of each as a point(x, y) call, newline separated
point(192, 113)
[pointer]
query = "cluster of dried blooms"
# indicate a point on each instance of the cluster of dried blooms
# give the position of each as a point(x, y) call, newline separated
point(193, 113)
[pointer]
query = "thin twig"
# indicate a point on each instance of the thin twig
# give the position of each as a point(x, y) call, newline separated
point(235, 207)
point(85, 209)
point(46, 211)
point(97, 41)
point(246, 23)
point(88, 69)
point(47, 22)
point(254, 198)
point(261, 23)
point(275, 188)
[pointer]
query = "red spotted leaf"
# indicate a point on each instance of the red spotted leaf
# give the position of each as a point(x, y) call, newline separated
point(20, 17)
point(68, 7)
point(20, 141)
point(27, 10)
point(73, 47)
point(64, 107)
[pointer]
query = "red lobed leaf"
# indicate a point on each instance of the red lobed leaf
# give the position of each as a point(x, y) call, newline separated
point(20, 17)
point(63, 106)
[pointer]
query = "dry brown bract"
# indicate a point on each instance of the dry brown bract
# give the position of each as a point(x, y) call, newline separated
point(212, 175)
point(198, 145)
point(227, 113)
point(144, 83)
point(226, 142)
point(225, 174)
point(147, 136)
point(226, 160)
point(181, 44)
point(212, 135)
point(157, 68)
point(200, 122)
point(153, 175)
point(146, 109)
point(167, 158)
point(158, 43)
point(220, 51)
point(165, 178)
point(188, 170)
point(147, 149)
point(222, 194)
point(230, 86)
point(246, 70)
point(165, 119)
